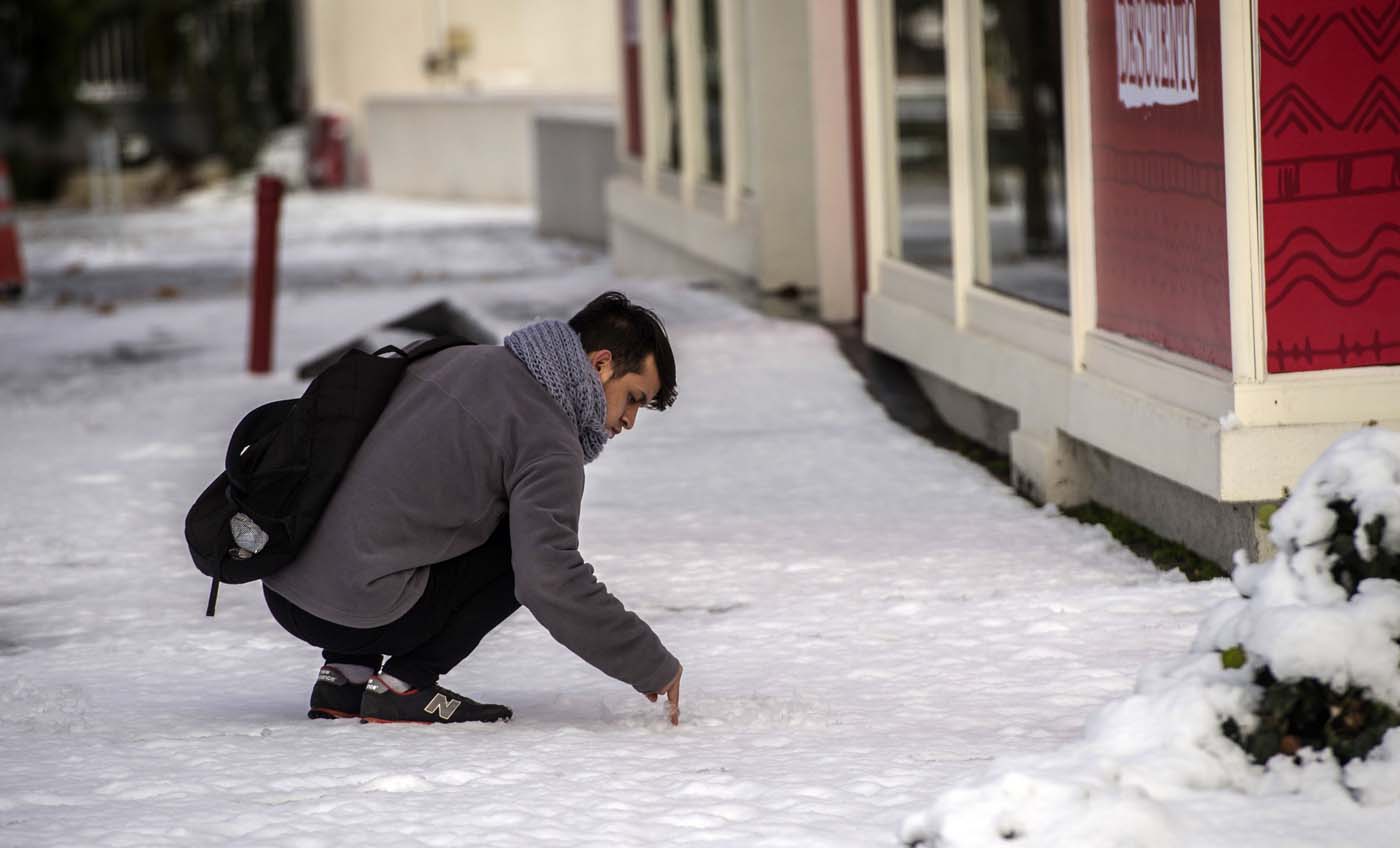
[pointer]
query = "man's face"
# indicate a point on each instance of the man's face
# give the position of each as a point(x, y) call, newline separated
point(627, 393)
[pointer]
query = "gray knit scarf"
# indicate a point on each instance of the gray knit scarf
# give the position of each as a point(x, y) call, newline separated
point(555, 356)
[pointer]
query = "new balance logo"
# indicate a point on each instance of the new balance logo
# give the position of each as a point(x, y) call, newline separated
point(443, 706)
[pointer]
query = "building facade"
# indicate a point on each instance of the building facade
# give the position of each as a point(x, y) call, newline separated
point(1148, 248)
point(437, 96)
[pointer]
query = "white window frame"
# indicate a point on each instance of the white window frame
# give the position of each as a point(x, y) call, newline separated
point(654, 108)
point(971, 305)
point(959, 298)
point(690, 96)
point(716, 223)
point(689, 183)
point(1158, 409)
point(734, 78)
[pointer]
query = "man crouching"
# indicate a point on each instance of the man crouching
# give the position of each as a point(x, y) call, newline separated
point(462, 504)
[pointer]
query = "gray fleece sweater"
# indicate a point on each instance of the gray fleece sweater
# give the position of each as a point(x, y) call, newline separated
point(467, 436)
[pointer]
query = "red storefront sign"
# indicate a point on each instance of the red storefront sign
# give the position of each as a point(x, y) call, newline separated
point(629, 16)
point(1329, 98)
point(1159, 174)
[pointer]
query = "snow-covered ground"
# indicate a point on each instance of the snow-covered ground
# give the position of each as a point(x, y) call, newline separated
point(202, 245)
point(865, 621)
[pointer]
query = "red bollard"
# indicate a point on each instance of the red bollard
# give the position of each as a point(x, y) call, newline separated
point(11, 268)
point(269, 208)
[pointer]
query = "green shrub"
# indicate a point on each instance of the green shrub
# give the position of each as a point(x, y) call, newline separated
point(1307, 713)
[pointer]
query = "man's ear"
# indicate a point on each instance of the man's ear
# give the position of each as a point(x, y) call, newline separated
point(602, 362)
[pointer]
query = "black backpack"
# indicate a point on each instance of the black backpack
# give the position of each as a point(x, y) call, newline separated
point(284, 462)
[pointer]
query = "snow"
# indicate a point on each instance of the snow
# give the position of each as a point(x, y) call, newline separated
point(867, 623)
point(202, 245)
point(1146, 760)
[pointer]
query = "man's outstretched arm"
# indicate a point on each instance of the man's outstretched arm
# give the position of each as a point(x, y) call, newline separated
point(560, 590)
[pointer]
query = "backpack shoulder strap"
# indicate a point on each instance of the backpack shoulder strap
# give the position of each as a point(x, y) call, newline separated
point(433, 345)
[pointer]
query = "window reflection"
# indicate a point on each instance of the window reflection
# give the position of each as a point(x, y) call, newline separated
point(1025, 151)
point(922, 117)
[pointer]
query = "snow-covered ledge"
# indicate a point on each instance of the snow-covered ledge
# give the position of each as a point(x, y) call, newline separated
point(653, 232)
point(1181, 419)
point(1204, 438)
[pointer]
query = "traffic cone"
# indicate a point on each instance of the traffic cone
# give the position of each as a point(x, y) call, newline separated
point(11, 269)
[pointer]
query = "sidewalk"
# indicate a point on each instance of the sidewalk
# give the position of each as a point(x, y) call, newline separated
point(202, 246)
point(865, 620)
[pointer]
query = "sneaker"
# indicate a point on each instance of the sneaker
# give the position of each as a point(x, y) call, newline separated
point(382, 705)
point(334, 696)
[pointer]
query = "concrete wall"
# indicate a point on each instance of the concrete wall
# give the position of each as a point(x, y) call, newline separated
point(361, 49)
point(575, 155)
point(984, 421)
point(1213, 529)
point(464, 146)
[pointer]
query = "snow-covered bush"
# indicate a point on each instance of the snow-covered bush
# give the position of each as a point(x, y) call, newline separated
point(1319, 626)
point(1292, 687)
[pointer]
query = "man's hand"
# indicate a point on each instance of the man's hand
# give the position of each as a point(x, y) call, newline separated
point(672, 691)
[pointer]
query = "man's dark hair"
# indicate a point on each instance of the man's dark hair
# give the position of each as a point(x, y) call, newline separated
point(630, 332)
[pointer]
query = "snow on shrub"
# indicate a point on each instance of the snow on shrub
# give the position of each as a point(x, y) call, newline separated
point(1292, 687)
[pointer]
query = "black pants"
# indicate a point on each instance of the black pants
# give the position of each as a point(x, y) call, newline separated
point(466, 598)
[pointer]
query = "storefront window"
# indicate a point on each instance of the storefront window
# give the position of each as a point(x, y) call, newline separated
point(921, 110)
point(714, 91)
point(1025, 151)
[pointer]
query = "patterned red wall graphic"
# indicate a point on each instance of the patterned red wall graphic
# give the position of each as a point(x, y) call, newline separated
point(1159, 193)
point(1330, 128)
